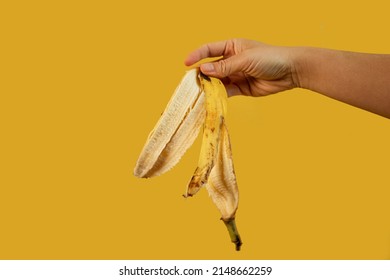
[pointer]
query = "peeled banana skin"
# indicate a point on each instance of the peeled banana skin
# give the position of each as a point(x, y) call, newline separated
point(176, 130)
point(215, 111)
point(222, 186)
point(198, 101)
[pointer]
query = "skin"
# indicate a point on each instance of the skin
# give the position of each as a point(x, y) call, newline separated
point(256, 69)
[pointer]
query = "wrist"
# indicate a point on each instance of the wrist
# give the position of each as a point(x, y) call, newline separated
point(299, 67)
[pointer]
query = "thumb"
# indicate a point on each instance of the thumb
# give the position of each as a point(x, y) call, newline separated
point(225, 67)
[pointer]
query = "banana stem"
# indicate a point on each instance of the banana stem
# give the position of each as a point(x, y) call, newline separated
point(233, 232)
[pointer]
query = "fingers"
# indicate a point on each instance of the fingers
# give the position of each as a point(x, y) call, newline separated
point(226, 67)
point(233, 90)
point(207, 50)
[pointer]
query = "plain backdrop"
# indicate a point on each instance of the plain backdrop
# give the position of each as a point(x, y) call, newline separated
point(82, 84)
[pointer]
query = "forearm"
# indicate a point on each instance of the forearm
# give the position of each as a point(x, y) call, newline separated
point(361, 80)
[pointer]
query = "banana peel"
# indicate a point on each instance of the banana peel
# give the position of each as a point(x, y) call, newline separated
point(198, 101)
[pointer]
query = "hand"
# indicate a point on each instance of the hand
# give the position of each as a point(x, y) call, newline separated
point(248, 67)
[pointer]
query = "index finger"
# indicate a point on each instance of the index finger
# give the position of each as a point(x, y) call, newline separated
point(207, 50)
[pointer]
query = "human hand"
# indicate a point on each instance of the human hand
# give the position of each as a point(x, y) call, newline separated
point(248, 67)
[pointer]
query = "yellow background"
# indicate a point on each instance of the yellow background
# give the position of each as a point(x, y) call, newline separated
point(82, 84)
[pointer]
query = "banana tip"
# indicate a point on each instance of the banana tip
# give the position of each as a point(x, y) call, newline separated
point(238, 243)
point(233, 233)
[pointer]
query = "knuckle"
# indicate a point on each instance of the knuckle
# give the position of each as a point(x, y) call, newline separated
point(224, 68)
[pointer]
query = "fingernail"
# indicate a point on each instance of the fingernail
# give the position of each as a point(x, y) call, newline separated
point(207, 67)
